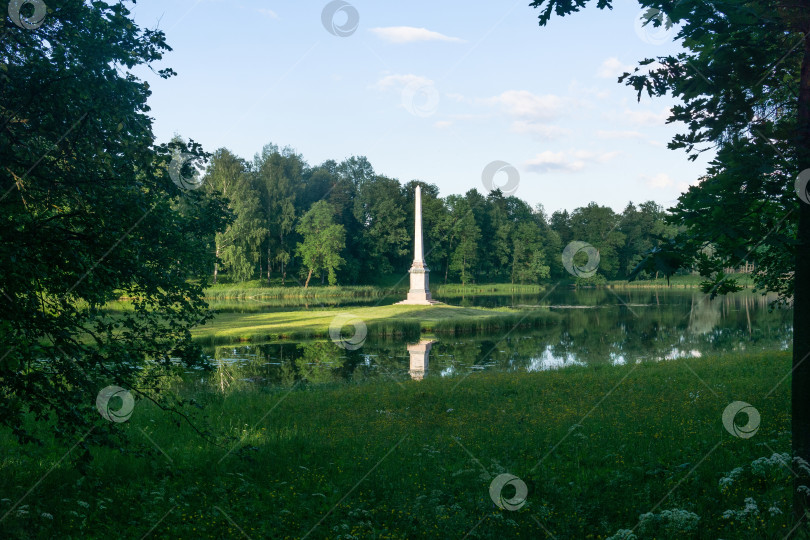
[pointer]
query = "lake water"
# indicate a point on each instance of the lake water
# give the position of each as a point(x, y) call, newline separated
point(596, 326)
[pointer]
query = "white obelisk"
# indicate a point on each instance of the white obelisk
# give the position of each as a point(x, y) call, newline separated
point(419, 292)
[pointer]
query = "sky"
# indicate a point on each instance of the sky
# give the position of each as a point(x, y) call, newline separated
point(434, 91)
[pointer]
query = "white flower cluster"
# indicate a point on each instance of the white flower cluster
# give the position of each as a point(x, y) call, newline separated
point(801, 465)
point(749, 510)
point(727, 481)
point(775, 465)
point(623, 534)
point(672, 521)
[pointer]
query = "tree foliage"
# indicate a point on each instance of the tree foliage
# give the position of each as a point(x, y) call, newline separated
point(470, 238)
point(743, 86)
point(90, 214)
point(322, 242)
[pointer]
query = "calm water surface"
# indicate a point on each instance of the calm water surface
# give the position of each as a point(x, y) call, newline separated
point(596, 326)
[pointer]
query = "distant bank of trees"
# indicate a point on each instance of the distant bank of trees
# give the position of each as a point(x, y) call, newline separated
point(344, 223)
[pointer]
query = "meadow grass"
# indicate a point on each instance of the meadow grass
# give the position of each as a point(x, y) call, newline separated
point(391, 320)
point(600, 449)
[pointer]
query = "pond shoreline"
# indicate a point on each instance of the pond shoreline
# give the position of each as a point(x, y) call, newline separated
point(259, 290)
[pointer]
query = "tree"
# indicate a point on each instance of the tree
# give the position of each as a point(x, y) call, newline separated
point(499, 248)
point(90, 214)
point(551, 242)
point(238, 247)
point(744, 84)
point(528, 256)
point(279, 178)
point(466, 234)
point(323, 240)
point(561, 224)
point(380, 209)
point(346, 179)
point(644, 228)
point(599, 226)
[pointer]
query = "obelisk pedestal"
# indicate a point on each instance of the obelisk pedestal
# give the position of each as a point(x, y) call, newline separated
point(419, 293)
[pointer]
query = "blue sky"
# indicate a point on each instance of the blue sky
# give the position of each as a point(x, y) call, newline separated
point(426, 90)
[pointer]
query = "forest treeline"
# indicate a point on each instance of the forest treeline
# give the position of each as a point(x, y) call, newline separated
point(345, 223)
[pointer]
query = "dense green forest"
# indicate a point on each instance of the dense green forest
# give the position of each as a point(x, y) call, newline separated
point(345, 223)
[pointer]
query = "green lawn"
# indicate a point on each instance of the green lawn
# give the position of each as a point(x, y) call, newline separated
point(378, 320)
point(597, 448)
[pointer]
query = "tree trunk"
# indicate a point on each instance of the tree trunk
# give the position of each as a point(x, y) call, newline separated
point(268, 265)
point(464, 270)
point(308, 276)
point(281, 262)
point(800, 382)
point(216, 264)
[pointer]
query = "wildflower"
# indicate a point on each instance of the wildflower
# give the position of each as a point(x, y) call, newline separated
point(727, 481)
point(623, 534)
point(762, 466)
point(674, 521)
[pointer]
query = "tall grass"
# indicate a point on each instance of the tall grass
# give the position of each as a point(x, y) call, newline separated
point(600, 449)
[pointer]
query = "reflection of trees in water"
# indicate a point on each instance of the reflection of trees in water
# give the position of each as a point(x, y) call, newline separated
point(626, 329)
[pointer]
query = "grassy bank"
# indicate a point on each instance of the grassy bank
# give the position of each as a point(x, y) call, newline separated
point(379, 321)
point(255, 290)
point(600, 449)
point(487, 289)
point(676, 282)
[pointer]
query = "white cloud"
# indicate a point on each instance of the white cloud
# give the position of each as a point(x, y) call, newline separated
point(410, 34)
point(532, 112)
point(647, 118)
point(619, 134)
point(543, 131)
point(612, 68)
point(659, 181)
point(442, 124)
point(459, 97)
point(570, 161)
point(526, 105)
point(550, 161)
point(575, 88)
point(269, 12)
point(596, 157)
point(401, 81)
